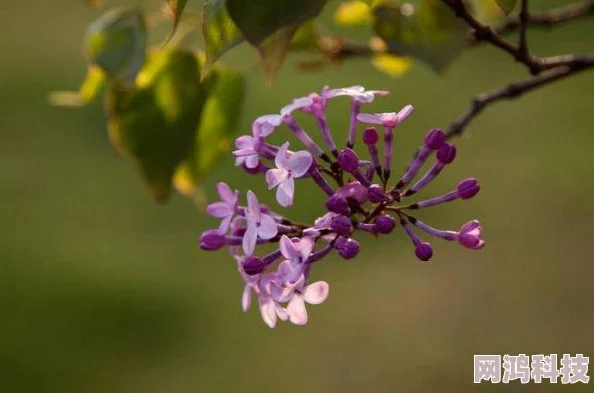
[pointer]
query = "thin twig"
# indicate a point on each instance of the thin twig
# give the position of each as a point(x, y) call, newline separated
point(523, 41)
point(549, 18)
point(517, 89)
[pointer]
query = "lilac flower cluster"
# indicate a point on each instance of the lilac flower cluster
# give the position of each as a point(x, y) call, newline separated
point(361, 200)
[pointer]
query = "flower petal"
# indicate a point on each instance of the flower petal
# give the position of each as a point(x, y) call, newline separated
point(300, 163)
point(288, 248)
point(253, 210)
point(246, 298)
point(267, 309)
point(275, 176)
point(219, 209)
point(250, 238)
point(306, 246)
point(281, 160)
point(252, 161)
point(369, 118)
point(225, 222)
point(285, 192)
point(268, 228)
point(316, 293)
point(404, 113)
point(265, 125)
point(296, 310)
point(245, 142)
point(281, 312)
point(297, 104)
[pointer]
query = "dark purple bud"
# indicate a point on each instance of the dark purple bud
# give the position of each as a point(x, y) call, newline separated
point(239, 232)
point(435, 139)
point(253, 265)
point(385, 224)
point(348, 160)
point(370, 136)
point(446, 153)
point(346, 247)
point(339, 205)
point(212, 240)
point(468, 188)
point(423, 251)
point(355, 191)
point(377, 194)
point(342, 226)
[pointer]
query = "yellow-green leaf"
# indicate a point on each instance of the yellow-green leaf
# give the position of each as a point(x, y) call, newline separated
point(424, 29)
point(506, 5)
point(89, 90)
point(395, 66)
point(177, 7)
point(219, 31)
point(155, 122)
point(214, 135)
point(116, 42)
point(353, 13)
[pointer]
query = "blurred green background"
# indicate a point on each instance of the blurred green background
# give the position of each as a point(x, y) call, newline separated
point(103, 290)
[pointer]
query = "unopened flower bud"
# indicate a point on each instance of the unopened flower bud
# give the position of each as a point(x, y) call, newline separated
point(253, 265)
point(434, 139)
point(212, 240)
point(347, 248)
point(338, 204)
point(377, 194)
point(470, 235)
point(370, 136)
point(446, 153)
point(348, 160)
point(468, 188)
point(385, 224)
point(342, 226)
point(423, 251)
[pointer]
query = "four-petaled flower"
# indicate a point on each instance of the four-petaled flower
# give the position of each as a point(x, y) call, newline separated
point(389, 119)
point(225, 209)
point(259, 225)
point(286, 171)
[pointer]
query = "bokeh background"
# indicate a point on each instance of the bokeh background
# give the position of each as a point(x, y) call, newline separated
point(103, 290)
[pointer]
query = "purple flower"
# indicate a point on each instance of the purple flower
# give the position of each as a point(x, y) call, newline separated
point(285, 173)
point(358, 197)
point(389, 119)
point(225, 209)
point(470, 235)
point(315, 293)
point(259, 225)
point(358, 93)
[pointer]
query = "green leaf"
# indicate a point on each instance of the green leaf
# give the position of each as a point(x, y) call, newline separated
point(219, 30)
point(259, 19)
point(218, 124)
point(116, 42)
point(487, 12)
point(89, 90)
point(155, 122)
point(506, 5)
point(424, 29)
point(177, 6)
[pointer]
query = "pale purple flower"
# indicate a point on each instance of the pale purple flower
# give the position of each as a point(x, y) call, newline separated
point(286, 171)
point(247, 153)
point(388, 119)
point(259, 225)
point(225, 208)
point(315, 293)
point(358, 93)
